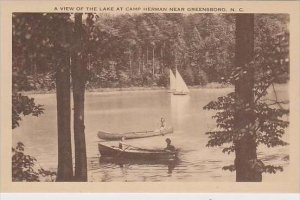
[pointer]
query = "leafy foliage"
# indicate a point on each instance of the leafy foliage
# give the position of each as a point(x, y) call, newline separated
point(135, 50)
point(24, 167)
point(138, 47)
point(23, 105)
point(261, 167)
point(269, 64)
point(35, 41)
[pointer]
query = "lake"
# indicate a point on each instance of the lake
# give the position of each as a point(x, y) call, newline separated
point(141, 110)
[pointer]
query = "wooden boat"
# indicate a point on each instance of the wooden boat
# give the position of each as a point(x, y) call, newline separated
point(133, 135)
point(136, 153)
point(141, 161)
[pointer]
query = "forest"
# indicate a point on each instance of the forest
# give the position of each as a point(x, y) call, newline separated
point(138, 49)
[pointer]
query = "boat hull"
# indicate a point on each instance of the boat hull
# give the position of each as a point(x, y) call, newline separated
point(141, 161)
point(144, 154)
point(180, 93)
point(133, 135)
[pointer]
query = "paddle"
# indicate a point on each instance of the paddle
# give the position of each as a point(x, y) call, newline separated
point(138, 148)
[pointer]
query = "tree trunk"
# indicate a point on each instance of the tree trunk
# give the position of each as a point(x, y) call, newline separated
point(139, 66)
point(245, 145)
point(35, 78)
point(139, 60)
point(78, 79)
point(147, 58)
point(130, 62)
point(143, 63)
point(153, 67)
point(65, 165)
point(162, 65)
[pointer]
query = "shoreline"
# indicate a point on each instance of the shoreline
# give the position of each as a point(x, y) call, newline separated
point(132, 89)
point(141, 89)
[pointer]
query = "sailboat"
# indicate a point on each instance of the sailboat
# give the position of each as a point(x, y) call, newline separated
point(177, 84)
point(172, 82)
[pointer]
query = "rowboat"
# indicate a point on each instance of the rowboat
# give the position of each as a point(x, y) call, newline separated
point(133, 135)
point(121, 161)
point(136, 153)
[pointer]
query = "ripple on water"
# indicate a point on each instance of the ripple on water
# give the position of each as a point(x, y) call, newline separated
point(131, 111)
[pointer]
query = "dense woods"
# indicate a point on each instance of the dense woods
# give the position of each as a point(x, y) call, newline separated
point(137, 50)
point(73, 52)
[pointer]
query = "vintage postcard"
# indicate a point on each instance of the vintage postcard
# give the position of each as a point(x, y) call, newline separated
point(150, 96)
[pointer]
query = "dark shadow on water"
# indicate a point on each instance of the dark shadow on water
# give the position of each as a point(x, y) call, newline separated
point(125, 162)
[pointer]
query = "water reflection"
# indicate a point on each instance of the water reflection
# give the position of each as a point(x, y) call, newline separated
point(125, 163)
point(125, 112)
point(179, 108)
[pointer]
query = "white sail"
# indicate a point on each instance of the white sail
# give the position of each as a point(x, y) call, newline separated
point(172, 81)
point(180, 87)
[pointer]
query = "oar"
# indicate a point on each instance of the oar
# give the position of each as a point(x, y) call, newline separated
point(146, 149)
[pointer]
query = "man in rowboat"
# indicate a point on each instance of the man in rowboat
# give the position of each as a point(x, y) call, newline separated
point(169, 146)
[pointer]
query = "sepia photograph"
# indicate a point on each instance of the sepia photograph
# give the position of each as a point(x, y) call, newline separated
point(131, 97)
point(150, 97)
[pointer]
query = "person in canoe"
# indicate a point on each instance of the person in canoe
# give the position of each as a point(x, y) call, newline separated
point(169, 146)
point(163, 124)
point(122, 143)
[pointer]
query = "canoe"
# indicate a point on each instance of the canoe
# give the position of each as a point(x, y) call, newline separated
point(133, 135)
point(180, 93)
point(136, 153)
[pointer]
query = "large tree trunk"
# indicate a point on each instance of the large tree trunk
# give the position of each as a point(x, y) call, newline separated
point(65, 165)
point(162, 64)
point(78, 79)
point(153, 63)
point(245, 145)
point(147, 56)
point(130, 62)
point(139, 60)
point(143, 62)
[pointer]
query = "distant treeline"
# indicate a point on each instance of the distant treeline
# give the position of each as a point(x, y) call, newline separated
point(137, 49)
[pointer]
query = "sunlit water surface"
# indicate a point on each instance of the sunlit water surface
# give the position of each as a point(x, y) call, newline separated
point(142, 110)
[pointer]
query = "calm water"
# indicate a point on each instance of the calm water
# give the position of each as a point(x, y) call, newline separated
point(141, 110)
